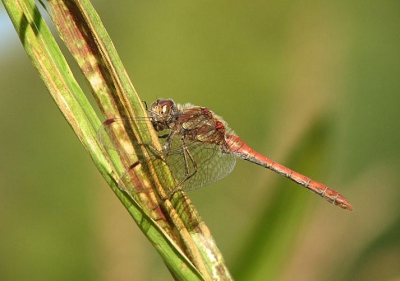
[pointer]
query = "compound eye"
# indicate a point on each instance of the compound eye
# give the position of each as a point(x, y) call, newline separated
point(163, 107)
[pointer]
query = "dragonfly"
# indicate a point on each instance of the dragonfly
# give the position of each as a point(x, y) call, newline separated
point(199, 148)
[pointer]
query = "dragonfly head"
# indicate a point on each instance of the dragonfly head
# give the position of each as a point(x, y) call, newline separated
point(162, 113)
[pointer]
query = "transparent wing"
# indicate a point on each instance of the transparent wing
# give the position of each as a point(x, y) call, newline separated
point(113, 135)
point(213, 165)
point(115, 139)
point(193, 164)
point(196, 164)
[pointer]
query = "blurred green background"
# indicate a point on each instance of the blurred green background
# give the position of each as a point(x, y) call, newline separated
point(314, 85)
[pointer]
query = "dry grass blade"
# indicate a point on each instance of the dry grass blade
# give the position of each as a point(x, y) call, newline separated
point(179, 234)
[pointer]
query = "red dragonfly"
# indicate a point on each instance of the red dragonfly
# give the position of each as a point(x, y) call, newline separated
point(200, 148)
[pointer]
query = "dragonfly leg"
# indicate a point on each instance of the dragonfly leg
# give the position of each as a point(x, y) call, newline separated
point(188, 175)
point(191, 168)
